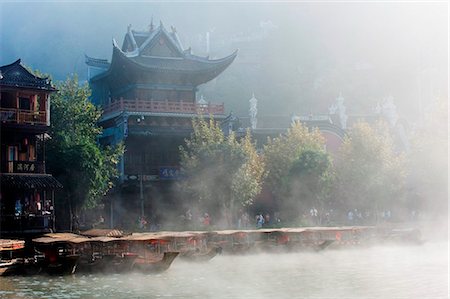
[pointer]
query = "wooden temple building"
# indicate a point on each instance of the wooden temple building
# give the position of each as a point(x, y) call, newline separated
point(148, 95)
point(27, 191)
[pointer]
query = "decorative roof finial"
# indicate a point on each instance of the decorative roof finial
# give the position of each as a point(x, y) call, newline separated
point(174, 30)
point(161, 24)
point(129, 28)
point(150, 27)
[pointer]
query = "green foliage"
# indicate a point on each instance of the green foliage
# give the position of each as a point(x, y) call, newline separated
point(369, 173)
point(308, 182)
point(246, 184)
point(74, 157)
point(221, 172)
point(280, 154)
point(299, 170)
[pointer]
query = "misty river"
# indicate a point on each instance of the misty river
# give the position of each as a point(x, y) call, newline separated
point(398, 271)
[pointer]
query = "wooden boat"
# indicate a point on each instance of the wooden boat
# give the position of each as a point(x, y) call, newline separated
point(31, 266)
point(196, 255)
point(324, 245)
point(62, 265)
point(155, 265)
point(59, 253)
point(9, 262)
point(90, 264)
point(105, 255)
point(9, 267)
point(233, 241)
point(109, 263)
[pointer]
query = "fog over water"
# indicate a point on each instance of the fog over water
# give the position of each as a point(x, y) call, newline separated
point(296, 58)
point(372, 272)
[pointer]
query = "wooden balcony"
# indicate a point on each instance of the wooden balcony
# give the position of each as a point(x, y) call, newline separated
point(42, 222)
point(163, 107)
point(25, 167)
point(26, 117)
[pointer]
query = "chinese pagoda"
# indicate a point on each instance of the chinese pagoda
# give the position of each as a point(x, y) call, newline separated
point(148, 95)
point(27, 191)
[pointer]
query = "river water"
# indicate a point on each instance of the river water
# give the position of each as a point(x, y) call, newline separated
point(375, 272)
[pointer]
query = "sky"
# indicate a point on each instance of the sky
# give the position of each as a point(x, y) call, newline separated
point(295, 56)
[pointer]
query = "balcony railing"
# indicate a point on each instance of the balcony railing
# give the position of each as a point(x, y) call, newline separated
point(19, 116)
point(163, 107)
point(23, 223)
point(26, 167)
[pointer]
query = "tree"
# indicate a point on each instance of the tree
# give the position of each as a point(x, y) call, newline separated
point(428, 163)
point(296, 168)
point(248, 180)
point(74, 156)
point(221, 172)
point(370, 175)
point(309, 180)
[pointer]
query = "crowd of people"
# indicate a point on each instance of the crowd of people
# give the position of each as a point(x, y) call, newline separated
point(32, 205)
point(196, 220)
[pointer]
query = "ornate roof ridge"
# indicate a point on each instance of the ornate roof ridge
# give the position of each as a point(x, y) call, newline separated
point(23, 77)
point(143, 33)
point(5, 68)
point(155, 33)
point(131, 37)
point(184, 63)
point(230, 58)
point(150, 37)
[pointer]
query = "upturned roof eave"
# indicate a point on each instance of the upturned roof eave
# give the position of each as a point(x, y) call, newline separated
point(217, 65)
point(27, 87)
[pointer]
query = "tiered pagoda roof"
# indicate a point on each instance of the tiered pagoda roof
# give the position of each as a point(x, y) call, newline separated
point(16, 75)
point(160, 53)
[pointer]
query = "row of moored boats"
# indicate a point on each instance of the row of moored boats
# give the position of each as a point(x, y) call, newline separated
point(112, 251)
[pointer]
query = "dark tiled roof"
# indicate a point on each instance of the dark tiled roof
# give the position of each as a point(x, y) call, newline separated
point(29, 181)
point(196, 69)
point(15, 75)
point(186, 64)
point(96, 62)
point(140, 39)
point(203, 68)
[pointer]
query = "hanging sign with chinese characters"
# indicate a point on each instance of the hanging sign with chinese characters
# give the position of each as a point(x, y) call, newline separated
point(26, 167)
point(169, 173)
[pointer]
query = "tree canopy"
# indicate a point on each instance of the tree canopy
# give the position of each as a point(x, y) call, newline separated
point(221, 172)
point(298, 169)
point(428, 162)
point(369, 173)
point(74, 156)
